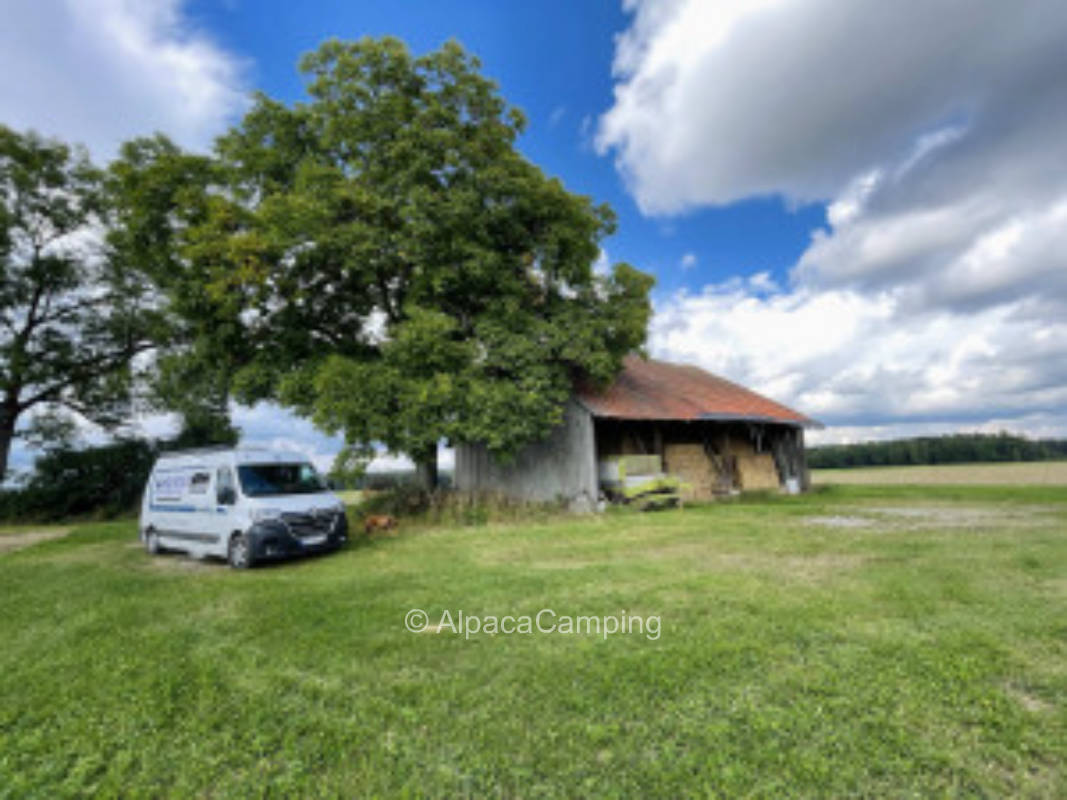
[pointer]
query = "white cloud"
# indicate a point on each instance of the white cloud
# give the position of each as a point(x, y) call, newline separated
point(268, 425)
point(556, 116)
point(937, 293)
point(99, 72)
point(586, 130)
point(941, 164)
point(398, 462)
point(719, 101)
point(762, 282)
point(859, 360)
point(688, 261)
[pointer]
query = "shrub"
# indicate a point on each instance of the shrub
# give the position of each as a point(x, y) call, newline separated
point(100, 481)
point(450, 507)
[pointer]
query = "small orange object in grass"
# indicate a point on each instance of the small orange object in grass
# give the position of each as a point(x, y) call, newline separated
point(378, 522)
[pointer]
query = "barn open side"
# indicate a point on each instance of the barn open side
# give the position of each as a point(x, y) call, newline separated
point(712, 457)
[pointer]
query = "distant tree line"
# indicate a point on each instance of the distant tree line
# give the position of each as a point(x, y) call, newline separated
point(953, 449)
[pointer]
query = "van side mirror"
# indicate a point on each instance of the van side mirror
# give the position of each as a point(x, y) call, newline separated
point(226, 496)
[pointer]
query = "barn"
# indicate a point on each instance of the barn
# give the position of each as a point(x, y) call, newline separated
point(717, 437)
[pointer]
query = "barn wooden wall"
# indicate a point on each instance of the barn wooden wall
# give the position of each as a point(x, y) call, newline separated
point(561, 468)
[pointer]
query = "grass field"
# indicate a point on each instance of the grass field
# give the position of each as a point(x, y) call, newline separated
point(350, 496)
point(874, 641)
point(1032, 473)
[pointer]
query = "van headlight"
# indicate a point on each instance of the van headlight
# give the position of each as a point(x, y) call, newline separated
point(264, 514)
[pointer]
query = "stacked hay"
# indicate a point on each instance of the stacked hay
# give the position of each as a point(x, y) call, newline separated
point(754, 470)
point(757, 471)
point(690, 463)
point(744, 468)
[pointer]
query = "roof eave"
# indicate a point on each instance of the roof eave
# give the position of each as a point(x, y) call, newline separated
point(793, 423)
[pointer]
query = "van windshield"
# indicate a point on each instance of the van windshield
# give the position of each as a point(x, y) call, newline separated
point(264, 480)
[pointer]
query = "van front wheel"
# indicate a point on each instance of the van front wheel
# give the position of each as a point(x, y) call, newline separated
point(151, 542)
point(239, 553)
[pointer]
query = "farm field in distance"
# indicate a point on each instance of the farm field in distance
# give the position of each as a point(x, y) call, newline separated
point(859, 640)
point(1031, 473)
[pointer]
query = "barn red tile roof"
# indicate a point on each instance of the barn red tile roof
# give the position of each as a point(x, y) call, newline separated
point(647, 389)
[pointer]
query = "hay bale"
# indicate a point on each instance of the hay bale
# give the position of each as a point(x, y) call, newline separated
point(754, 470)
point(745, 468)
point(757, 471)
point(690, 463)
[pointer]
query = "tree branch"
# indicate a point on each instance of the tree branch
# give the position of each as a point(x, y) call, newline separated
point(84, 303)
point(85, 370)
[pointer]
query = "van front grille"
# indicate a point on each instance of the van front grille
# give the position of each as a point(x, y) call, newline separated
point(315, 523)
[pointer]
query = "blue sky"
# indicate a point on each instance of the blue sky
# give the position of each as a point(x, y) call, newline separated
point(859, 209)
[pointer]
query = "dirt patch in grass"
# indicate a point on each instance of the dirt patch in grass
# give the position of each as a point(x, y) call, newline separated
point(173, 562)
point(963, 516)
point(17, 541)
point(1029, 701)
point(107, 552)
point(908, 518)
point(840, 521)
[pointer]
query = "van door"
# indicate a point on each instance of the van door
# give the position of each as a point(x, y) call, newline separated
point(167, 503)
point(201, 532)
point(225, 506)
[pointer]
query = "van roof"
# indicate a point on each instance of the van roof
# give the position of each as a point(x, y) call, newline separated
point(196, 451)
point(241, 455)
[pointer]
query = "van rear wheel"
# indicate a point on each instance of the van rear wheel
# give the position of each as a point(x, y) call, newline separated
point(239, 553)
point(151, 542)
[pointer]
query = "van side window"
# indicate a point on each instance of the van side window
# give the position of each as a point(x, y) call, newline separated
point(225, 488)
point(199, 482)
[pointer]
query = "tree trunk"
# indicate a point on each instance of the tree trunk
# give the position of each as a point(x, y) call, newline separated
point(426, 468)
point(7, 434)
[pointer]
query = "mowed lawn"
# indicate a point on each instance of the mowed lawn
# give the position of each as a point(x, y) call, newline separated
point(1030, 473)
point(858, 641)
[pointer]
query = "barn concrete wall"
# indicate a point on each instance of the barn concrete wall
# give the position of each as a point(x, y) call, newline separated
point(562, 467)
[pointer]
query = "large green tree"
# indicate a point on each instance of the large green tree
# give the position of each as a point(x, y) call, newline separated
point(161, 200)
point(410, 276)
point(71, 319)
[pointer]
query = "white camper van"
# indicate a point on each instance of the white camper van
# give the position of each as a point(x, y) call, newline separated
point(243, 505)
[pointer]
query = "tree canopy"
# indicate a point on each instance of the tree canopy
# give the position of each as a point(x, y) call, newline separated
point(71, 319)
point(160, 201)
point(406, 275)
point(380, 258)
